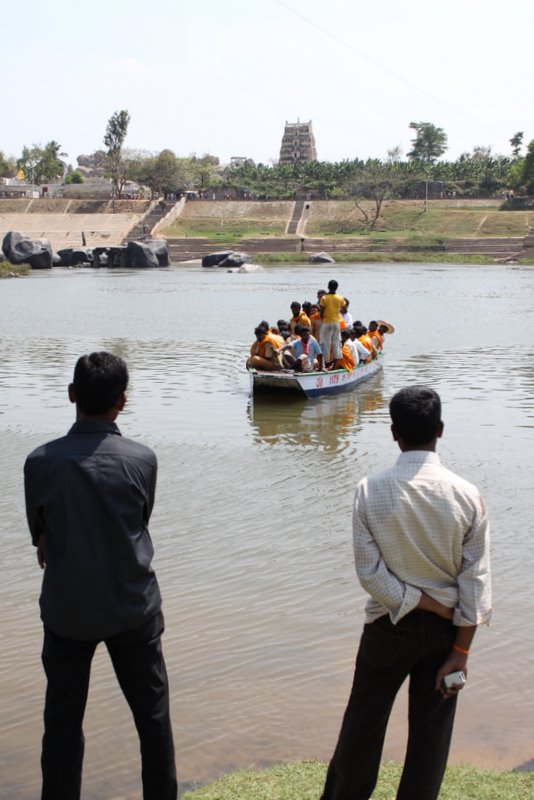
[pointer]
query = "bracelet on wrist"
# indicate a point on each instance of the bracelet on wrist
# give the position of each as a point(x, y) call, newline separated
point(460, 650)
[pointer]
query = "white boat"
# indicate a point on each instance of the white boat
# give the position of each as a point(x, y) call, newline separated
point(313, 384)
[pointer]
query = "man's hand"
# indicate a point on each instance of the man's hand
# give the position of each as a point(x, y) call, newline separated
point(454, 663)
point(457, 659)
point(40, 551)
point(427, 603)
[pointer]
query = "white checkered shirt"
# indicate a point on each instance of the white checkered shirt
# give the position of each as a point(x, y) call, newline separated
point(419, 527)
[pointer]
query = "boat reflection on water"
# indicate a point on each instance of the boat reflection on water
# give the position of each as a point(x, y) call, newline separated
point(325, 422)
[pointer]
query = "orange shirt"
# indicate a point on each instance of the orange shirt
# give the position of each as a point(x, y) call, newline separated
point(316, 323)
point(267, 341)
point(301, 319)
point(346, 357)
point(379, 339)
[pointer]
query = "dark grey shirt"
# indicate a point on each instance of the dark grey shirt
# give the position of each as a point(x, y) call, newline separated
point(91, 494)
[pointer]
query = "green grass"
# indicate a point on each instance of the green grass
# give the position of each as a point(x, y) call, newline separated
point(400, 220)
point(228, 231)
point(304, 781)
point(405, 257)
point(8, 270)
point(444, 222)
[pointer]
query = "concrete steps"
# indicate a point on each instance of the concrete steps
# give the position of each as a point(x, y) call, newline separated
point(293, 224)
point(146, 224)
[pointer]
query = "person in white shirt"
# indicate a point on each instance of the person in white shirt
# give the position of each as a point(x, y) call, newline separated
point(346, 315)
point(421, 545)
point(362, 353)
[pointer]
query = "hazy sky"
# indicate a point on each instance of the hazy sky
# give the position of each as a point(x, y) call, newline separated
point(223, 76)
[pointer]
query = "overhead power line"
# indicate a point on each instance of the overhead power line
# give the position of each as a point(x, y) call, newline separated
point(383, 67)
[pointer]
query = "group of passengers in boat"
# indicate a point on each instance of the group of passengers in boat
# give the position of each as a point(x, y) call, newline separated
point(318, 336)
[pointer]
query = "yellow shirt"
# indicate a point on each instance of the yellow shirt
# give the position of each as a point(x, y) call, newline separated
point(331, 305)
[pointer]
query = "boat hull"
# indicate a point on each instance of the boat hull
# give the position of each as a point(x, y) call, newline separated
point(312, 384)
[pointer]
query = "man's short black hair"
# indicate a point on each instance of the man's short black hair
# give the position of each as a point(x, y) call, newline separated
point(416, 414)
point(99, 380)
point(332, 285)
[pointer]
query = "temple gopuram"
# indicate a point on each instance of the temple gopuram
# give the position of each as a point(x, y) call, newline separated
point(298, 143)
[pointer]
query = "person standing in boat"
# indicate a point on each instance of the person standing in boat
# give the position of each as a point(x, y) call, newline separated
point(331, 304)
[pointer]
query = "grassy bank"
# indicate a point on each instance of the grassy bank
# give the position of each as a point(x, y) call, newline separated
point(227, 222)
point(304, 781)
point(407, 217)
point(418, 257)
point(8, 270)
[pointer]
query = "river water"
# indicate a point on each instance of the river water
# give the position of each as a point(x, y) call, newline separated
point(252, 519)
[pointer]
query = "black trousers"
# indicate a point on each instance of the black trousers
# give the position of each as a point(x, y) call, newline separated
point(417, 647)
point(138, 663)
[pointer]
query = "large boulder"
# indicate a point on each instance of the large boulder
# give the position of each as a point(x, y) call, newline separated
point(20, 249)
point(235, 260)
point(139, 254)
point(321, 258)
point(101, 256)
point(74, 256)
point(215, 259)
point(118, 256)
point(160, 248)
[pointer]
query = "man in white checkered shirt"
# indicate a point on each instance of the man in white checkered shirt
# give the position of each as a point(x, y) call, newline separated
point(421, 545)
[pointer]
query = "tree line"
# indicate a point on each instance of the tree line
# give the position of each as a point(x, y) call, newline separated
point(479, 173)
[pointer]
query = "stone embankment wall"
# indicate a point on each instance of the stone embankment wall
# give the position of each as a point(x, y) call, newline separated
point(63, 221)
point(256, 227)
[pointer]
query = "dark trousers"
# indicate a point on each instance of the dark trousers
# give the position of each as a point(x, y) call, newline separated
point(417, 647)
point(138, 663)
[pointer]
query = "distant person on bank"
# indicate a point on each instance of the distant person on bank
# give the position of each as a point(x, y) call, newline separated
point(89, 496)
point(421, 545)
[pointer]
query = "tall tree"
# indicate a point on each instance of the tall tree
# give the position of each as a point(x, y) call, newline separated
point(162, 173)
point(116, 131)
point(203, 169)
point(42, 164)
point(8, 166)
point(517, 142)
point(527, 173)
point(429, 143)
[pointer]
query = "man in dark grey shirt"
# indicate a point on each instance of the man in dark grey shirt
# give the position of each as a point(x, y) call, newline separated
point(89, 496)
